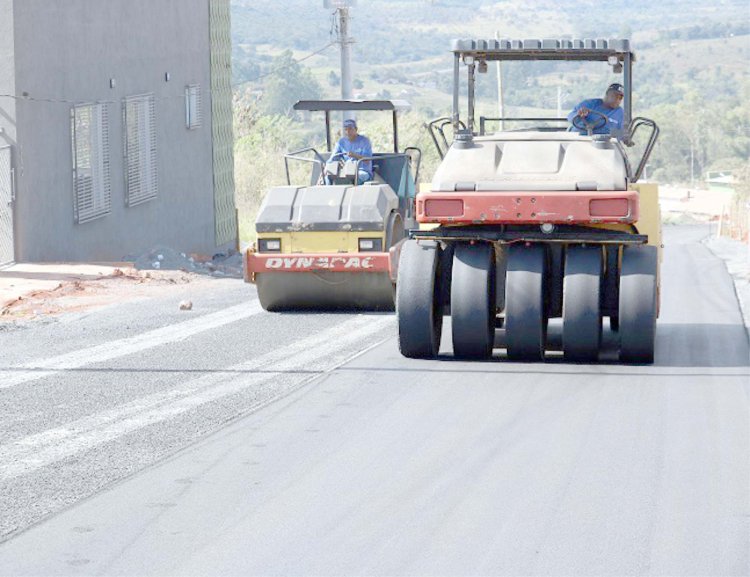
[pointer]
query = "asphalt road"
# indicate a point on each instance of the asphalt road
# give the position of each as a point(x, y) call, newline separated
point(139, 440)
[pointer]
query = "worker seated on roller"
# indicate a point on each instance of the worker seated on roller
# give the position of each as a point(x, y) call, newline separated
point(352, 147)
point(601, 115)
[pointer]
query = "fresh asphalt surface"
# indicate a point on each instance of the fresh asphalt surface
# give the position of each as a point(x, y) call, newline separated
point(249, 443)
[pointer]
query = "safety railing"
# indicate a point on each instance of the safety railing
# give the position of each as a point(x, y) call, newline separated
point(295, 155)
point(635, 124)
point(439, 125)
point(418, 161)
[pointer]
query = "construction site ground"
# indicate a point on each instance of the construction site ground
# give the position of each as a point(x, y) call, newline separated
point(35, 291)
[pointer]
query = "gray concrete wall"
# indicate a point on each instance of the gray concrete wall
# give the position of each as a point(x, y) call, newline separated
point(7, 75)
point(7, 125)
point(67, 51)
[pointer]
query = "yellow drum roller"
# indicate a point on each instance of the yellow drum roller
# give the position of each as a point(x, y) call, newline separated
point(334, 243)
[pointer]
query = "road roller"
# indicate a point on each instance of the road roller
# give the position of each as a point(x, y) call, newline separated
point(333, 243)
point(536, 221)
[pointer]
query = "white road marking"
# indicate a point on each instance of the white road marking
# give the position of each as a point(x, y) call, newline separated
point(114, 349)
point(319, 353)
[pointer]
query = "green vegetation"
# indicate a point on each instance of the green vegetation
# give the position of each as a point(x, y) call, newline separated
point(691, 75)
point(291, 83)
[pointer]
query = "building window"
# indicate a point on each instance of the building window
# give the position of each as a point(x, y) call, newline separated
point(193, 106)
point(139, 121)
point(89, 127)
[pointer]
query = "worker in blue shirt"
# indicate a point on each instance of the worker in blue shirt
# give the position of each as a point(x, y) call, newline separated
point(609, 106)
point(356, 146)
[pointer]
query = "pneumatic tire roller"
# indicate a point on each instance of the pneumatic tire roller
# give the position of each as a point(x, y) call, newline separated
point(532, 224)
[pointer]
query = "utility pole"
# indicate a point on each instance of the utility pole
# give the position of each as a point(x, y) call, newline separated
point(344, 41)
point(692, 166)
point(500, 102)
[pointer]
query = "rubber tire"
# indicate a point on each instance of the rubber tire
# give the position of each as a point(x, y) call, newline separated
point(394, 230)
point(638, 304)
point(473, 301)
point(582, 311)
point(611, 287)
point(419, 311)
point(525, 303)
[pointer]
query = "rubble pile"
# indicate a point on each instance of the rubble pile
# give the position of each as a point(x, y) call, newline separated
point(164, 258)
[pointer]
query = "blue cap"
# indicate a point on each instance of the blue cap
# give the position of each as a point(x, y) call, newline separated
point(350, 122)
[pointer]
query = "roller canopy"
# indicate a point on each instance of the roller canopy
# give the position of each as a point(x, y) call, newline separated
point(544, 49)
point(344, 105)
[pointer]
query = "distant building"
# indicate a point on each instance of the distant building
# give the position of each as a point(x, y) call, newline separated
point(115, 128)
point(722, 180)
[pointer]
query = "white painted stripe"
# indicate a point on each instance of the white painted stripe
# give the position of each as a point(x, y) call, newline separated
point(115, 349)
point(318, 353)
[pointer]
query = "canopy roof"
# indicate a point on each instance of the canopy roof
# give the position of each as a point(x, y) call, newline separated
point(544, 49)
point(344, 105)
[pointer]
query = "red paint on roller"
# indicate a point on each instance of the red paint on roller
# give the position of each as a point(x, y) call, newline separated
point(444, 207)
point(609, 207)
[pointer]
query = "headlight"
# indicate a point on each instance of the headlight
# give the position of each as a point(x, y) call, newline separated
point(370, 245)
point(269, 245)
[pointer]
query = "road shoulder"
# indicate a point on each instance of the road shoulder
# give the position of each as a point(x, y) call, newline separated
point(736, 256)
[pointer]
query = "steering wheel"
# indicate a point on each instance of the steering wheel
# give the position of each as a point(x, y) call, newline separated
point(590, 127)
point(339, 158)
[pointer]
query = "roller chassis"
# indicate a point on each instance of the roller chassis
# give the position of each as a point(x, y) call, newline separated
point(502, 285)
point(510, 234)
point(502, 275)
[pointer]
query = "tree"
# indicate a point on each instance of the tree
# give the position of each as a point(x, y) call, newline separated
point(333, 79)
point(742, 182)
point(287, 83)
point(244, 68)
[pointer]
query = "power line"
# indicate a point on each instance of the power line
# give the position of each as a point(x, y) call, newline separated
point(292, 63)
point(29, 98)
point(82, 102)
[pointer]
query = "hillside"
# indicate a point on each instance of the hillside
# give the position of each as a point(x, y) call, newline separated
point(689, 53)
point(401, 47)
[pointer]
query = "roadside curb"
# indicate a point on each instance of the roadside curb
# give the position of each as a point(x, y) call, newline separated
point(736, 257)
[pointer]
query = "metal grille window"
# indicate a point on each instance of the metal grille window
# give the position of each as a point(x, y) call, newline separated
point(193, 106)
point(139, 120)
point(91, 178)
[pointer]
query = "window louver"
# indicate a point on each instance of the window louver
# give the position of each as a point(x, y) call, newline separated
point(91, 168)
point(139, 121)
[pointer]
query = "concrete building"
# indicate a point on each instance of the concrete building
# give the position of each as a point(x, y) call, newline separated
point(115, 128)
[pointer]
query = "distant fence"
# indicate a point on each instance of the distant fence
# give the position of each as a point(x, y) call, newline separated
point(735, 220)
